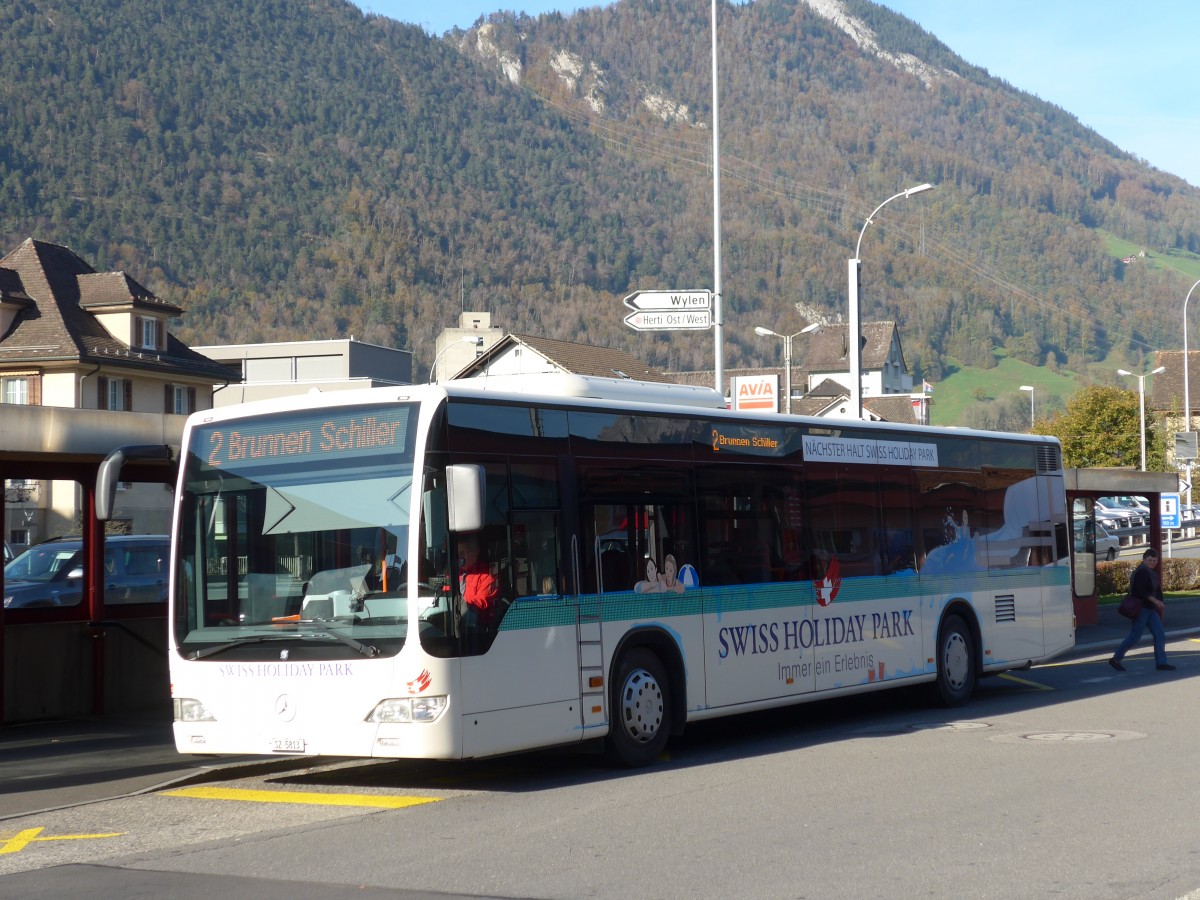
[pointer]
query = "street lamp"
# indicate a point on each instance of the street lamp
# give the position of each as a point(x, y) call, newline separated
point(1032, 419)
point(1187, 405)
point(787, 357)
point(470, 339)
point(1142, 404)
point(854, 336)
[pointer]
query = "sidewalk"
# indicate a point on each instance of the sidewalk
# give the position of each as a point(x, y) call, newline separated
point(1182, 618)
point(70, 762)
point(49, 765)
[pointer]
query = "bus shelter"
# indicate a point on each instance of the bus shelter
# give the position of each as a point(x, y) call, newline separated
point(86, 657)
point(1084, 487)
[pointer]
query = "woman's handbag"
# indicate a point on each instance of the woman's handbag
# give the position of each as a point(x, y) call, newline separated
point(1130, 606)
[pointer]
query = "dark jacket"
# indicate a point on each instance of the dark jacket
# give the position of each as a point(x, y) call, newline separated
point(1145, 584)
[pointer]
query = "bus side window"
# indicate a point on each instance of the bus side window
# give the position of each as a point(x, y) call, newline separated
point(844, 516)
point(535, 553)
point(897, 545)
point(752, 521)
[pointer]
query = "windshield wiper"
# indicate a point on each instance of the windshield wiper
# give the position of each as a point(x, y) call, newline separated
point(365, 649)
point(237, 642)
point(358, 646)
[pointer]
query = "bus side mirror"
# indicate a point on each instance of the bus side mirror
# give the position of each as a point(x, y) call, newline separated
point(464, 497)
point(110, 473)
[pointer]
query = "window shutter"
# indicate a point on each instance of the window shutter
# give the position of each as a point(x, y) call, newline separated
point(160, 334)
point(102, 392)
point(168, 399)
point(35, 390)
point(191, 395)
point(128, 394)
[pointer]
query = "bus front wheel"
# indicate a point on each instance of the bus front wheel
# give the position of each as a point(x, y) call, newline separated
point(640, 709)
point(955, 662)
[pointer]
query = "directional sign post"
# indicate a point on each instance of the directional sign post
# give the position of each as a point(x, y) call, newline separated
point(669, 310)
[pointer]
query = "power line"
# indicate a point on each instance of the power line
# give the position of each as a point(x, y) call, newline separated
point(680, 150)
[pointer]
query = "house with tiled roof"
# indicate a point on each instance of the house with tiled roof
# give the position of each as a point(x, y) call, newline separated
point(822, 354)
point(71, 336)
point(77, 338)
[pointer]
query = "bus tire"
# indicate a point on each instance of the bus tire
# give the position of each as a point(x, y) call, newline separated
point(956, 674)
point(641, 709)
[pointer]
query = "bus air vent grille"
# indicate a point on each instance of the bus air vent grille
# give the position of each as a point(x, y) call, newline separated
point(1006, 608)
point(1049, 458)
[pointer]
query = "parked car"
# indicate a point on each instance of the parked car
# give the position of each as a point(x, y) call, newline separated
point(1109, 507)
point(1107, 546)
point(51, 573)
point(1137, 504)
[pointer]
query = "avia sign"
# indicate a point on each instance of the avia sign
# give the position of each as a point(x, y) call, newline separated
point(756, 393)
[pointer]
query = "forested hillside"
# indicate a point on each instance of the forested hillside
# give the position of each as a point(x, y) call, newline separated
point(288, 169)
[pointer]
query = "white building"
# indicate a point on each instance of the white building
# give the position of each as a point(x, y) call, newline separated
point(292, 367)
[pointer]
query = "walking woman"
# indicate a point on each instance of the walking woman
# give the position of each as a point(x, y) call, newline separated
point(1147, 587)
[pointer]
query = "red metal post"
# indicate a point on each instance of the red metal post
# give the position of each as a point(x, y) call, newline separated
point(93, 587)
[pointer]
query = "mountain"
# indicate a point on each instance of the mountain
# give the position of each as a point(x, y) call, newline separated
point(288, 169)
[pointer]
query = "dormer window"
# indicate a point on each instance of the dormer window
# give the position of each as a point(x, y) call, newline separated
point(149, 336)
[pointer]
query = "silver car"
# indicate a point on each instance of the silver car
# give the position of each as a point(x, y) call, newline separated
point(51, 573)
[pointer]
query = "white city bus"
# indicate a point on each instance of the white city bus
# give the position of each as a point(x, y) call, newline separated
point(655, 562)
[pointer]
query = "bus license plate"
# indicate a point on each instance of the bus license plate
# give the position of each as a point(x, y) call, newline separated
point(288, 745)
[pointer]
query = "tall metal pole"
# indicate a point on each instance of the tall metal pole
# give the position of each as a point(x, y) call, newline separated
point(787, 375)
point(854, 337)
point(1032, 417)
point(1142, 416)
point(718, 320)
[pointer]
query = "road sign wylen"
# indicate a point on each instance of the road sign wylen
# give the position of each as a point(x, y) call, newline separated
point(669, 310)
point(669, 300)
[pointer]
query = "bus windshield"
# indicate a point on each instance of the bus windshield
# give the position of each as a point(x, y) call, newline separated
point(292, 536)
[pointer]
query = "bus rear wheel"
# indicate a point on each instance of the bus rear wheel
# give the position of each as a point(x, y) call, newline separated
point(956, 673)
point(641, 709)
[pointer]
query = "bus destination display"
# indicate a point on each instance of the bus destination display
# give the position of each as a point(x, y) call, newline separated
point(362, 432)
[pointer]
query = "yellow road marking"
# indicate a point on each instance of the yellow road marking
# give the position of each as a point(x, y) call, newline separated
point(313, 799)
point(15, 843)
point(1032, 684)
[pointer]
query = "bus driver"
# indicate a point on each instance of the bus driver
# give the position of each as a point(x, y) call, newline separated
point(477, 588)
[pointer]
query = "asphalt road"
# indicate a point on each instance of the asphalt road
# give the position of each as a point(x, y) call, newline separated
point(1028, 791)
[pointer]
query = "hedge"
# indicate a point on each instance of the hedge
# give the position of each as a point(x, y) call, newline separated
point(1177, 575)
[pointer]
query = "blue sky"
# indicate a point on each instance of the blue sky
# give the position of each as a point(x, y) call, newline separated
point(1122, 68)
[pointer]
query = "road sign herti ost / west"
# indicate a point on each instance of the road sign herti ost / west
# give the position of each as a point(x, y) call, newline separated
point(669, 310)
point(662, 320)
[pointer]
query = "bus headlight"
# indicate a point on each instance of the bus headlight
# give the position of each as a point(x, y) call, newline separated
point(408, 709)
point(191, 711)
